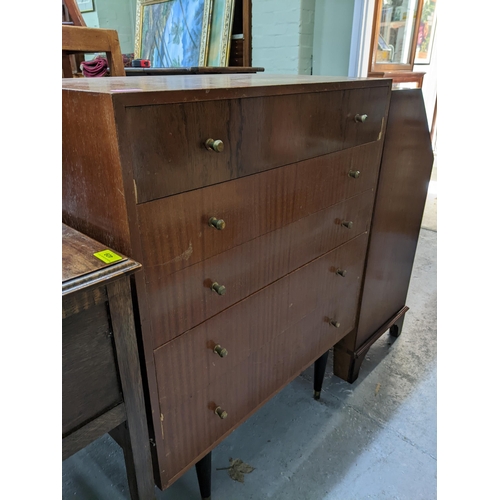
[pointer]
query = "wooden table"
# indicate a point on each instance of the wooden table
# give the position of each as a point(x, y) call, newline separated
point(102, 385)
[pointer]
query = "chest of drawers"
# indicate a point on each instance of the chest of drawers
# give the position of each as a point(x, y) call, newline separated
point(248, 200)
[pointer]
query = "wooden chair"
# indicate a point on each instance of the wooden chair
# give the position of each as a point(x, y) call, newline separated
point(83, 40)
point(71, 13)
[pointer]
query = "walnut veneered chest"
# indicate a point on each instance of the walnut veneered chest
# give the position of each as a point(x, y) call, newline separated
point(248, 199)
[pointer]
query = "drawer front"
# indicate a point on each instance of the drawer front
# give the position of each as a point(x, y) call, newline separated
point(245, 327)
point(180, 301)
point(175, 231)
point(168, 151)
point(169, 155)
point(374, 103)
point(90, 381)
point(189, 423)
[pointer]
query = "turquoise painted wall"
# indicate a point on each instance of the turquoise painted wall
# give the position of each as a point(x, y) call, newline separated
point(332, 37)
point(117, 15)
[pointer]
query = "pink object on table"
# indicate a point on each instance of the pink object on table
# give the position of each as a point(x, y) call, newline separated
point(96, 67)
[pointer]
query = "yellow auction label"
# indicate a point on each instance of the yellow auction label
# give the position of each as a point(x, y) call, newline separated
point(108, 256)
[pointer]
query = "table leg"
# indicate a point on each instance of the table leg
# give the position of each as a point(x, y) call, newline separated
point(204, 473)
point(319, 374)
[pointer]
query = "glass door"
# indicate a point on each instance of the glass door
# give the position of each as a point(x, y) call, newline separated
point(393, 46)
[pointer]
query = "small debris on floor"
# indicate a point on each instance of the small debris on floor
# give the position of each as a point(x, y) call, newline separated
point(237, 469)
point(377, 388)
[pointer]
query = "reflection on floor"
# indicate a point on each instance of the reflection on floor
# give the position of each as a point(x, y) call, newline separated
point(374, 439)
point(429, 220)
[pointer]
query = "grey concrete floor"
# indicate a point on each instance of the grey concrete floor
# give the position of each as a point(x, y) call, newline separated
point(374, 439)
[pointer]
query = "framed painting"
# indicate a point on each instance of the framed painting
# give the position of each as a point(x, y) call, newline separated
point(426, 32)
point(220, 33)
point(173, 33)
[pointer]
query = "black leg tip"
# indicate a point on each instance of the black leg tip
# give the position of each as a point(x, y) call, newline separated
point(207, 498)
point(395, 331)
point(316, 395)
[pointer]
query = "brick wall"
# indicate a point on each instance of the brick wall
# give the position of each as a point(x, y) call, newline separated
point(282, 35)
point(306, 36)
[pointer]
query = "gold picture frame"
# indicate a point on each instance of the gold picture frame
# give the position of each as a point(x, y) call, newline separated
point(220, 33)
point(173, 33)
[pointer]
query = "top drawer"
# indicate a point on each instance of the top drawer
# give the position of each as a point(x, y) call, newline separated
point(169, 155)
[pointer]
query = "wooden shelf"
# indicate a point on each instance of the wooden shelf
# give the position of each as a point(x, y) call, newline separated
point(241, 48)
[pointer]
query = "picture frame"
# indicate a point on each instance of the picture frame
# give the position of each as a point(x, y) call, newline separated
point(86, 5)
point(173, 33)
point(220, 33)
point(426, 32)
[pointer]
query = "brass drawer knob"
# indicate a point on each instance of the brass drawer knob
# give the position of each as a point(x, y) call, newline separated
point(334, 323)
point(214, 145)
point(354, 173)
point(217, 223)
point(220, 289)
point(220, 412)
point(342, 272)
point(361, 118)
point(221, 351)
point(348, 224)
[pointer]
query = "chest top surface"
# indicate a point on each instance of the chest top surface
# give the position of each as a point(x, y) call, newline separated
point(181, 88)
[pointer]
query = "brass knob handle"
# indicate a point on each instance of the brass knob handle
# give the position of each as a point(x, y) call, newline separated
point(220, 289)
point(342, 272)
point(354, 173)
point(214, 145)
point(361, 118)
point(348, 224)
point(217, 223)
point(334, 323)
point(220, 412)
point(221, 351)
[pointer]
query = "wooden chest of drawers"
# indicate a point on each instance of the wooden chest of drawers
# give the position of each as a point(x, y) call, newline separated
point(248, 200)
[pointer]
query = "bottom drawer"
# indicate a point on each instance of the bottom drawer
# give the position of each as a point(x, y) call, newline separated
point(190, 426)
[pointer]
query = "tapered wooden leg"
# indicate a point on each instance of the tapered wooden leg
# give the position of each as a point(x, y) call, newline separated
point(204, 473)
point(346, 365)
point(395, 329)
point(122, 436)
point(319, 374)
point(134, 433)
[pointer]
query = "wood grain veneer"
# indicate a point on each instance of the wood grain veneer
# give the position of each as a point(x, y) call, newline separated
point(184, 299)
point(258, 134)
point(402, 190)
point(250, 382)
point(136, 175)
point(191, 356)
point(175, 230)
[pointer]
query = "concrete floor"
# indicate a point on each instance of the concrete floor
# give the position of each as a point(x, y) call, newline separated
point(375, 438)
point(429, 219)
